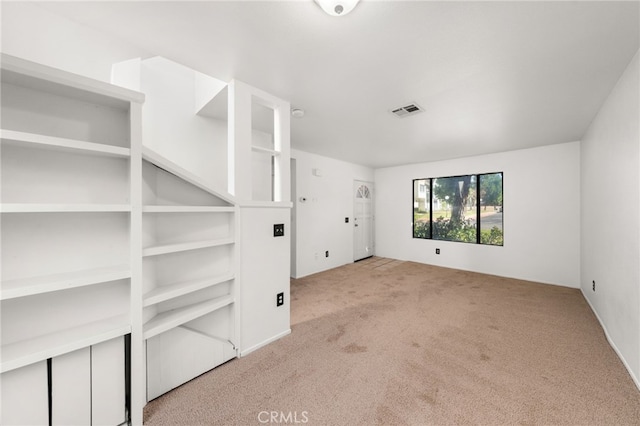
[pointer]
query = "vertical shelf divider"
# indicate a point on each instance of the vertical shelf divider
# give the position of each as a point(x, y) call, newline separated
point(138, 370)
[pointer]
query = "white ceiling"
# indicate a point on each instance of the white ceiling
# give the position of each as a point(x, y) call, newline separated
point(491, 76)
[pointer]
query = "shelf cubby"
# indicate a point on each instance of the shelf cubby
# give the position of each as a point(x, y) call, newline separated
point(49, 102)
point(172, 291)
point(36, 174)
point(175, 248)
point(186, 228)
point(43, 244)
point(175, 317)
point(29, 351)
point(29, 286)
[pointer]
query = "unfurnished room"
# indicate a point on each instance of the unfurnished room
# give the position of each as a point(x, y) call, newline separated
point(322, 212)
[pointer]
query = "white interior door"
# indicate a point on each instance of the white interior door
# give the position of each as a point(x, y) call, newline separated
point(363, 243)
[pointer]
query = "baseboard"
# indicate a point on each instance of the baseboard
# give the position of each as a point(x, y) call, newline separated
point(635, 379)
point(264, 343)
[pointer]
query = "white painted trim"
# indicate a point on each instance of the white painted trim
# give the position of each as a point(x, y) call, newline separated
point(263, 343)
point(635, 379)
point(266, 204)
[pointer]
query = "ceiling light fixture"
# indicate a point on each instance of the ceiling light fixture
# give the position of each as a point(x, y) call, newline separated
point(337, 7)
point(297, 113)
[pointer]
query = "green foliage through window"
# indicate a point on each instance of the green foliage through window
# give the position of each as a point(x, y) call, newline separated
point(459, 208)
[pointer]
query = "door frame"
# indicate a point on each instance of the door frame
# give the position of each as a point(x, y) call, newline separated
point(356, 184)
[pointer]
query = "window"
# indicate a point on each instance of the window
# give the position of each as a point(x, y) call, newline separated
point(464, 208)
point(422, 208)
point(490, 209)
point(454, 209)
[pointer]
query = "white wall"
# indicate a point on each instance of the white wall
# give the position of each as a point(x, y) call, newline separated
point(320, 220)
point(171, 127)
point(33, 33)
point(610, 226)
point(170, 124)
point(541, 215)
point(264, 275)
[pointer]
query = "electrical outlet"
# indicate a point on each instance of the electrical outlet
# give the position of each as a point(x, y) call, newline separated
point(326, 253)
point(593, 285)
point(437, 251)
point(346, 220)
point(279, 299)
point(278, 230)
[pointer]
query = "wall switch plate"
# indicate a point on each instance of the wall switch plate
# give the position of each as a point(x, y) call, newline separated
point(279, 299)
point(437, 251)
point(278, 230)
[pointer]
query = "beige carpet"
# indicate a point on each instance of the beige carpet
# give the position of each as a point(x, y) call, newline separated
point(390, 342)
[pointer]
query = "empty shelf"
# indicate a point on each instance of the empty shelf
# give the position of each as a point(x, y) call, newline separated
point(11, 289)
point(175, 317)
point(28, 351)
point(171, 291)
point(187, 209)
point(174, 248)
point(24, 138)
point(62, 208)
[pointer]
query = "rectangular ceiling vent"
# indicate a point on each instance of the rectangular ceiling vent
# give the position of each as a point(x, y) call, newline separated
point(407, 110)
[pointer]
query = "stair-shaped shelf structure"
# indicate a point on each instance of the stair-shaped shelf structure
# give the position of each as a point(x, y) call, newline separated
point(188, 274)
point(120, 256)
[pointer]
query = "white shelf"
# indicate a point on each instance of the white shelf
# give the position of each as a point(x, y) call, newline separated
point(71, 145)
point(11, 289)
point(29, 351)
point(63, 208)
point(174, 248)
point(187, 209)
point(173, 168)
point(167, 292)
point(173, 318)
point(265, 150)
point(25, 73)
point(266, 204)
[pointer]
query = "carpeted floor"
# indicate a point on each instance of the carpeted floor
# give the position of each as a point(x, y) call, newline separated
point(391, 343)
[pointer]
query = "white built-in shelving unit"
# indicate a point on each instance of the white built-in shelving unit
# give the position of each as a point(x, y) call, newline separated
point(120, 260)
point(188, 276)
point(66, 220)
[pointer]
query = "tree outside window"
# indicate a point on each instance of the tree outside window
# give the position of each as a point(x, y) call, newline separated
point(464, 208)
